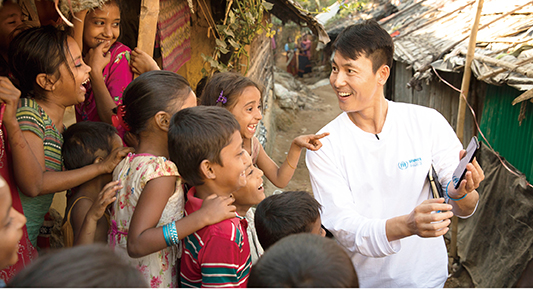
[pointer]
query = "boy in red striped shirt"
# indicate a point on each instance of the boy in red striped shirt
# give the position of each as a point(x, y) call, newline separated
point(206, 145)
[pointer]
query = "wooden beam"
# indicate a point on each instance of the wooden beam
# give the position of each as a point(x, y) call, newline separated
point(504, 64)
point(148, 26)
point(427, 65)
point(433, 20)
point(524, 96)
point(408, 8)
point(416, 18)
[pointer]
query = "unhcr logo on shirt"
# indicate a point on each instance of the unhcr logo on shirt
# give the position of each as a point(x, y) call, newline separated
point(403, 165)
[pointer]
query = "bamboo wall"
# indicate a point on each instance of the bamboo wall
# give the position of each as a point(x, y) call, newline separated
point(200, 43)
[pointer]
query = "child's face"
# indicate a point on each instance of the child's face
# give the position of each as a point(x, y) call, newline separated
point(317, 228)
point(247, 111)
point(101, 154)
point(253, 192)
point(10, 18)
point(230, 175)
point(71, 90)
point(11, 224)
point(102, 25)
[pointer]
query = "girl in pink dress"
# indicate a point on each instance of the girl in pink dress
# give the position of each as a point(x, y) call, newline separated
point(109, 61)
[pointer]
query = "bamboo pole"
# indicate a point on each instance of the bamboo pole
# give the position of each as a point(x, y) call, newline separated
point(467, 73)
point(427, 65)
point(148, 26)
point(516, 67)
point(462, 108)
point(408, 8)
point(500, 70)
point(433, 20)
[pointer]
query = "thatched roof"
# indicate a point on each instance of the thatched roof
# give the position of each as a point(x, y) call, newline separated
point(436, 33)
point(290, 10)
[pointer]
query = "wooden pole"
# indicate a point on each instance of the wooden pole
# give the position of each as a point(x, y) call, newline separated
point(462, 108)
point(467, 73)
point(148, 26)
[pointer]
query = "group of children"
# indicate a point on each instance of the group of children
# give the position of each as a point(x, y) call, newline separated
point(166, 179)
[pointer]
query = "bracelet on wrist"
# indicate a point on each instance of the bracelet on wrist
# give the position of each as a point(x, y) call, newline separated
point(464, 196)
point(171, 234)
point(289, 163)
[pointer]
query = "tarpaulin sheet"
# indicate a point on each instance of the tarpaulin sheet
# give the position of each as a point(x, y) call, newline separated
point(495, 244)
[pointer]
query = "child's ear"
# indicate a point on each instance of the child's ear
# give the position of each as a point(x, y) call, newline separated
point(44, 81)
point(162, 119)
point(207, 170)
point(98, 160)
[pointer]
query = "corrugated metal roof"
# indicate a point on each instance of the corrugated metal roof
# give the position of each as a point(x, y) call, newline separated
point(436, 33)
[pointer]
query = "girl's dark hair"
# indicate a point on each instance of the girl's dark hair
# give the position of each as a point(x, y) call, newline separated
point(88, 266)
point(82, 140)
point(150, 93)
point(197, 134)
point(284, 214)
point(231, 84)
point(304, 261)
point(35, 51)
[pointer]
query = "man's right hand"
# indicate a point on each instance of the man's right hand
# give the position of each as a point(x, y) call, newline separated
point(422, 222)
point(425, 221)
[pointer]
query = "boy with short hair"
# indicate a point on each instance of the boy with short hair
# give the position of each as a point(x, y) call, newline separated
point(206, 145)
point(304, 261)
point(287, 213)
point(86, 143)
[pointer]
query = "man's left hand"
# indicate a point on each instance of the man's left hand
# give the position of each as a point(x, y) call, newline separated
point(473, 176)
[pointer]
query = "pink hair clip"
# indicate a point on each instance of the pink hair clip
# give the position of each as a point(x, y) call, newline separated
point(221, 98)
point(118, 119)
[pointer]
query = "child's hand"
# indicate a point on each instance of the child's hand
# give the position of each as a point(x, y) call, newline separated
point(141, 62)
point(97, 59)
point(9, 95)
point(106, 196)
point(310, 141)
point(112, 160)
point(217, 209)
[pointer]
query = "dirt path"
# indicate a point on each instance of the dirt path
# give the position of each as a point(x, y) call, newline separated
point(303, 122)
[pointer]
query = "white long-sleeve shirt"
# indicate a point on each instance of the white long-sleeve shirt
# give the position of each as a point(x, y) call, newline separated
point(361, 181)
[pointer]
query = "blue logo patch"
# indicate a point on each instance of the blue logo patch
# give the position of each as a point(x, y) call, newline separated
point(403, 165)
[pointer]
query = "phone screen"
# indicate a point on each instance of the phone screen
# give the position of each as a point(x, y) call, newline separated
point(460, 171)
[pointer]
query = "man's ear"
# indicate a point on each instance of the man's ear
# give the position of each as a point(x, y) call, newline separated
point(44, 81)
point(206, 169)
point(383, 74)
point(98, 160)
point(162, 119)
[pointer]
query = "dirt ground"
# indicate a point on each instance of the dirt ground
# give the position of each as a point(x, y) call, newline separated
point(291, 124)
point(294, 123)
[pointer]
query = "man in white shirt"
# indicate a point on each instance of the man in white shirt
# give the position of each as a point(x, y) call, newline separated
point(370, 174)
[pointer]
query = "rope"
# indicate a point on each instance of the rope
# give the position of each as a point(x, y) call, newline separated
point(477, 126)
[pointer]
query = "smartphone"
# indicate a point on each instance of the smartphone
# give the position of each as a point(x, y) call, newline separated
point(460, 171)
